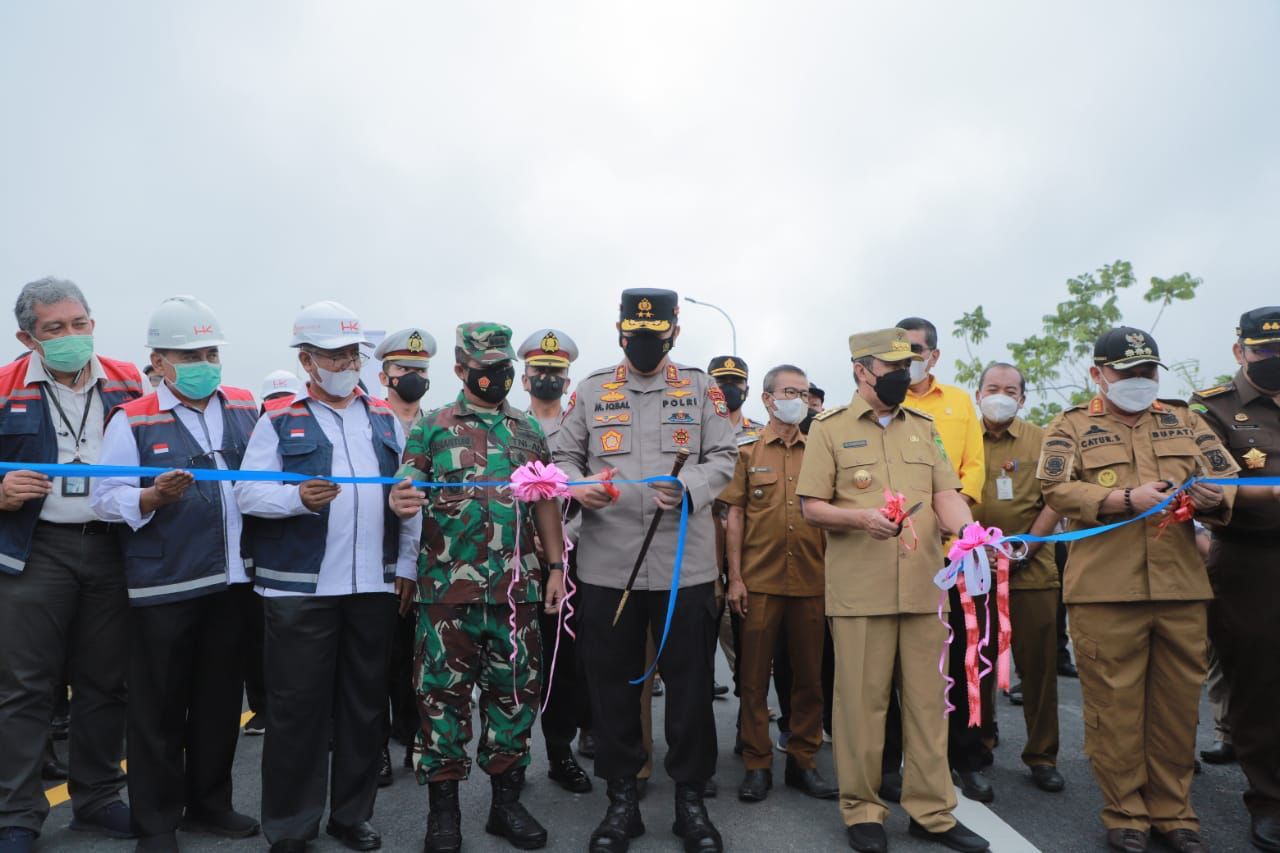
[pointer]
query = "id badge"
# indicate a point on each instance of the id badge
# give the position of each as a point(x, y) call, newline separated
point(74, 487)
point(1004, 488)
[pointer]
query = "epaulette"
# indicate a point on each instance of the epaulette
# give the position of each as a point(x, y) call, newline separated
point(1215, 390)
point(917, 412)
point(1173, 402)
point(826, 413)
point(748, 438)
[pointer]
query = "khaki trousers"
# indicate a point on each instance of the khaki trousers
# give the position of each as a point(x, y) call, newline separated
point(801, 618)
point(1034, 617)
point(1142, 665)
point(872, 654)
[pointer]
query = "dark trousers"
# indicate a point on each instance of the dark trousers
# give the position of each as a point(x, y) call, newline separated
point(615, 654)
point(67, 612)
point(965, 744)
point(1245, 630)
point(184, 708)
point(402, 720)
point(251, 642)
point(569, 706)
point(325, 667)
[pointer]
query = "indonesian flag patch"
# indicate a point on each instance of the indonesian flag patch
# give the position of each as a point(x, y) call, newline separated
point(297, 433)
point(159, 448)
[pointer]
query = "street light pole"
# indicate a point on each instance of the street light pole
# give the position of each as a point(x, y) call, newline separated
point(732, 328)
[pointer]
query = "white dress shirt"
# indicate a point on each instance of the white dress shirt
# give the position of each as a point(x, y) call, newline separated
point(56, 508)
point(353, 544)
point(117, 498)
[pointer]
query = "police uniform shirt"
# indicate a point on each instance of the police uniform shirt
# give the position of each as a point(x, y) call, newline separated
point(850, 460)
point(636, 425)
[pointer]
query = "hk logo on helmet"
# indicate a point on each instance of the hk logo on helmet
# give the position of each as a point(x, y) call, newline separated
point(350, 325)
point(203, 330)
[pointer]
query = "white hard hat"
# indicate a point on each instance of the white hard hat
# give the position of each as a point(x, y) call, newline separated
point(184, 322)
point(327, 325)
point(280, 382)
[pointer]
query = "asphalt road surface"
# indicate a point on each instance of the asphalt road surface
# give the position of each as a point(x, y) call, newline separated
point(1022, 817)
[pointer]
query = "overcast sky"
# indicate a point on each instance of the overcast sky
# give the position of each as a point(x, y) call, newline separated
point(814, 168)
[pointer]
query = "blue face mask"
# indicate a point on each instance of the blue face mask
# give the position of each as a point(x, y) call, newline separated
point(197, 380)
point(68, 353)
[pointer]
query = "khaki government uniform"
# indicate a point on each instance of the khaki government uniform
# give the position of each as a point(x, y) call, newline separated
point(882, 607)
point(783, 570)
point(1033, 585)
point(1137, 604)
point(1243, 620)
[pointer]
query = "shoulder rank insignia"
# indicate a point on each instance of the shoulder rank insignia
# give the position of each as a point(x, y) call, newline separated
point(826, 413)
point(1215, 390)
point(620, 373)
point(1097, 407)
point(673, 373)
point(748, 438)
point(918, 413)
point(573, 401)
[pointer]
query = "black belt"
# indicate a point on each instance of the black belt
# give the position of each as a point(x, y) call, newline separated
point(84, 528)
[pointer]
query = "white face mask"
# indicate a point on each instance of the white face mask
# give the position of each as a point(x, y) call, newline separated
point(339, 384)
point(919, 370)
point(998, 408)
point(790, 411)
point(1133, 395)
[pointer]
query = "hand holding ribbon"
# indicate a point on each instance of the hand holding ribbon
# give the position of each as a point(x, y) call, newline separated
point(895, 510)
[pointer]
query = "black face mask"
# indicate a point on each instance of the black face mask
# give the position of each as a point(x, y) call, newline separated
point(645, 351)
point(734, 396)
point(808, 421)
point(491, 383)
point(892, 387)
point(1265, 374)
point(545, 387)
point(410, 386)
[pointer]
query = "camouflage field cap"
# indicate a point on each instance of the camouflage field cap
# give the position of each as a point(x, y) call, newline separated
point(884, 344)
point(487, 343)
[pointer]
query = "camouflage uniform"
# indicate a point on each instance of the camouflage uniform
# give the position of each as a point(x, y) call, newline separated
point(464, 571)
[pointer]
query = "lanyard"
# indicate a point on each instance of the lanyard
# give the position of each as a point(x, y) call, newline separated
point(77, 435)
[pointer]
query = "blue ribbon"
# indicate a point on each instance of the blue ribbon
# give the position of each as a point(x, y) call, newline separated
point(224, 475)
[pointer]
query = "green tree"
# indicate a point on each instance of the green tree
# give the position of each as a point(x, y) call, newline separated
point(1055, 362)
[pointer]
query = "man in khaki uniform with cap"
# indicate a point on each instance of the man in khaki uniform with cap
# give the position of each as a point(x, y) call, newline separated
point(881, 600)
point(1137, 595)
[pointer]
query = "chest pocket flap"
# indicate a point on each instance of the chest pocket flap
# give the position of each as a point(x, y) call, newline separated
point(1104, 455)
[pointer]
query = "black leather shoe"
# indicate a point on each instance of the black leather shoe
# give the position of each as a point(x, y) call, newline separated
point(587, 745)
point(228, 824)
point(710, 789)
point(1265, 832)
point(359, 836)
point(718, 690)
point(444, 819)
point(570, 775)
point(1220, 753)
point(113, 820)
point(1047, 778)
point(384, 771)
point(974, 786)
point(868, 838)
point(1015, 694)
point(891, 787)
point(1127, 840)
point(289, 845)
point(958, 837)
point(693, 824)
point(809, 780)
point(1067, 669)
point(621, 821)
point(508, 818)
point(755, 786)
point(1182, 840)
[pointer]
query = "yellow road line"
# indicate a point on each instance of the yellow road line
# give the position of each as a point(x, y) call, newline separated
point(58, 794)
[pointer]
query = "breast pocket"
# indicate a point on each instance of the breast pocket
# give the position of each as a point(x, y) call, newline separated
point(917, 469)
point(456, 491)
point(677, 438)
point(1108, 465)
point(860, 476)
point(611, 439)
point(762, 486)
point(1177, 459)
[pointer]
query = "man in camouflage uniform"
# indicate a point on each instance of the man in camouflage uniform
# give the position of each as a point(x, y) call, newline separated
point(468, 589)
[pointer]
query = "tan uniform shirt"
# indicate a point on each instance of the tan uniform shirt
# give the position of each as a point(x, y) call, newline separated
point(849, 461)
point(1011, 496)
point(636, 425)
point(782, 554)
point(1088, 453)
point(1248, 423)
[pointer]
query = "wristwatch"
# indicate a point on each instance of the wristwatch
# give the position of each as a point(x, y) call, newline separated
point(556, 566)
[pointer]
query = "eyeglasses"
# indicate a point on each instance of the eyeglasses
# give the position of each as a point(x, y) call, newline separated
point(342, 362)
point(792, 393)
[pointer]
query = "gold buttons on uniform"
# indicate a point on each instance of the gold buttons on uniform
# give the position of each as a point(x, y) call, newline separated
point(862, 478)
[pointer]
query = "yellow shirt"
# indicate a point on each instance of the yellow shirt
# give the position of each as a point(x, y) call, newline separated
point(956, 420)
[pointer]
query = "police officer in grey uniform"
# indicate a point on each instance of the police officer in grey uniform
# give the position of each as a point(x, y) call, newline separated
point(635, 418)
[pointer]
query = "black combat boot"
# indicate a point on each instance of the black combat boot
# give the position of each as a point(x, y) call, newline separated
point(444, 821)
point(508, 818)
point(622, 820)
point(692, 822)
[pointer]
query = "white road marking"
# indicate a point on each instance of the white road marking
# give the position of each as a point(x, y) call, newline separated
point(982, 820)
